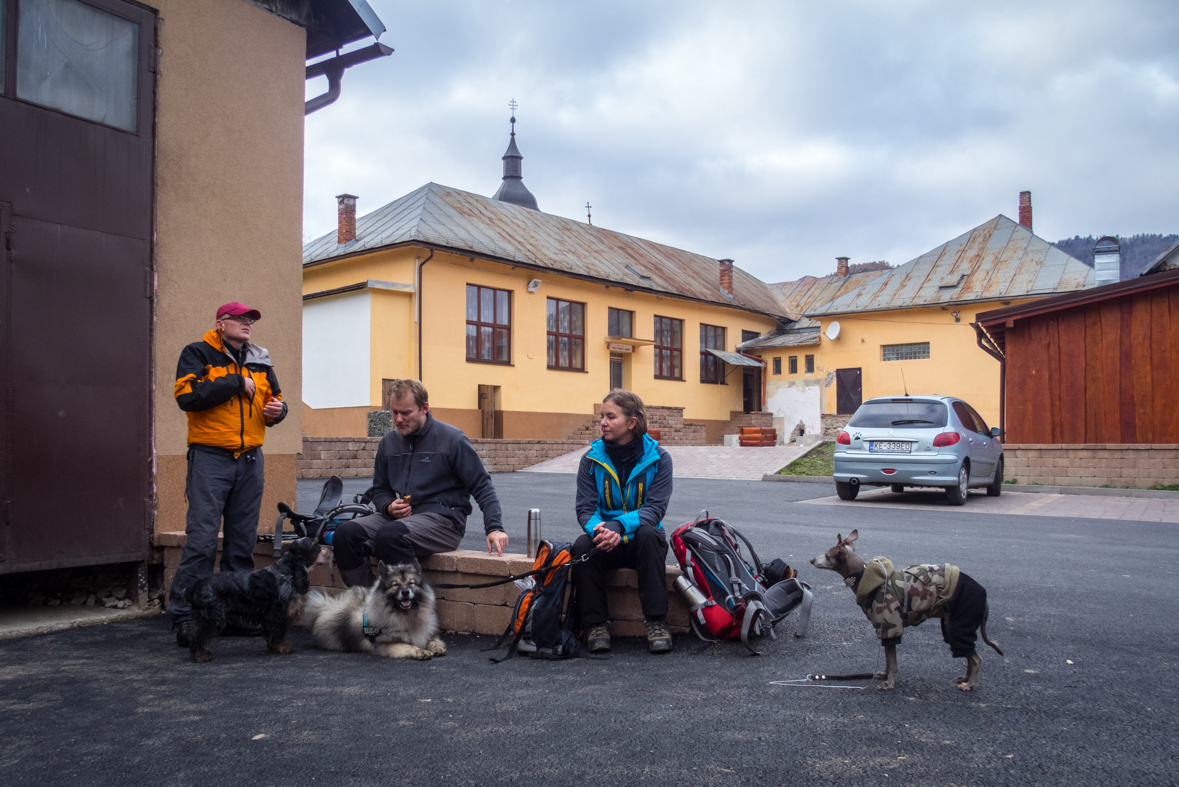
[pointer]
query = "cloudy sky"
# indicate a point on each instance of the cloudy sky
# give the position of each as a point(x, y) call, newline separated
point(780, 134)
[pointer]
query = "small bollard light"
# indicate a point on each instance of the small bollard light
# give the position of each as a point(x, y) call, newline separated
point(533, 531)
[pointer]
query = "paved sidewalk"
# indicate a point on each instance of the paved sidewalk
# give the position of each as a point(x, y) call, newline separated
point(700, 461)
point(1132, 509)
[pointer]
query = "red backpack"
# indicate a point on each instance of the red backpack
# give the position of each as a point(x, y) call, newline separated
point(737, 599)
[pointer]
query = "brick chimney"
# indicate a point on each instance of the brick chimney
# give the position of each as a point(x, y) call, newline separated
point(726, 276)
point(346, 231)
point(841, 267)
point(1025, 209)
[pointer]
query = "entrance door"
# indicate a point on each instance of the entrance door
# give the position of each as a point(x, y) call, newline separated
point(76, 167)
point(487, 410)
point(849, 393)
point(615, 374)
point(751, 390)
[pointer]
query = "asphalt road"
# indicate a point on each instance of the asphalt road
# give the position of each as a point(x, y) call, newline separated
point(120, 704)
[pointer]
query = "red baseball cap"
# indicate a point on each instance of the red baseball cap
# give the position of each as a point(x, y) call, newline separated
point(235, 309)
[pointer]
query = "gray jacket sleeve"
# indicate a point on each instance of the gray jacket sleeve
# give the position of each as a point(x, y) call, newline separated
point(659, 495)
point(383, 494)
point(469, 469)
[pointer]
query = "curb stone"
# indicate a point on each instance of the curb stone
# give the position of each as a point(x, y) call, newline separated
point(1092, 491)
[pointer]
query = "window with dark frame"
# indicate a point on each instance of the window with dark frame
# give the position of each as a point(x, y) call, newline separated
point(777, 366)
point(620, 323)
point(793, 364)
point(747, 336)
point(712, 369)
point(565, 322)
point(810, 364)
point(489, 320)
point(669, 348)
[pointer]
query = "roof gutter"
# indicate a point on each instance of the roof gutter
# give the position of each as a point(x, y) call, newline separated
point(334, 69)
point(988, 345)
point(532, 267)
point(421, 289)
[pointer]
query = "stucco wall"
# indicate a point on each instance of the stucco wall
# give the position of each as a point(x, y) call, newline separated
point(955, 367)
point(795, 401)
point(336, 351)
point(527, 385)
point(229, 196)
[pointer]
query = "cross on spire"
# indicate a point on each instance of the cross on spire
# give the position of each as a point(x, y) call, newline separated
point(589, 216)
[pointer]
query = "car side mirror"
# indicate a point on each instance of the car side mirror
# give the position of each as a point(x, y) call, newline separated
point(996, 431)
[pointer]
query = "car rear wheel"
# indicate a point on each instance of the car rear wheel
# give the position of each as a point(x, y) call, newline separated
point(956, 495)
point(996, 487)
point(898, 488)
point(846, 490)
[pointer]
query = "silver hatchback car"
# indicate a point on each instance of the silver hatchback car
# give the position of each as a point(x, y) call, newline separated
point(902, 441)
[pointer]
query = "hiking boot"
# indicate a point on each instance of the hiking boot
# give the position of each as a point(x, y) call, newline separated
point(597, 639)
point(184, 631)
point(658, 636)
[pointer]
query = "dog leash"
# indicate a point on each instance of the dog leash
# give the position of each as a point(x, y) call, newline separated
point(513, 577)
point(816, 681)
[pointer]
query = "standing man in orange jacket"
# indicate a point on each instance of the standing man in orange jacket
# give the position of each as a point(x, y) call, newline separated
point(229, 390)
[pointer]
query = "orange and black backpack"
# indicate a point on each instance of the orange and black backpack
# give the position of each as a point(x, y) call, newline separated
point(544, 618)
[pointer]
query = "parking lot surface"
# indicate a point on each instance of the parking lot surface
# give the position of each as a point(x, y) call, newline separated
point(1086, 695)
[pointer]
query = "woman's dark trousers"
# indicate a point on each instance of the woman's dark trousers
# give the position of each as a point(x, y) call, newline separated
point(646, 553)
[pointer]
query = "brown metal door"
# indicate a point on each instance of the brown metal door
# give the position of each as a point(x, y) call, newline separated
point(76, 327)
point(849, 394)
point(487, 410)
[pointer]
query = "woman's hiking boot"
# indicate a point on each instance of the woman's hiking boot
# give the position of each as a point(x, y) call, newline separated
point(597, 639)
point(658, 636)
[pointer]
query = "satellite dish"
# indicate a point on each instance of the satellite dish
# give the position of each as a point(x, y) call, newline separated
point(833, 331)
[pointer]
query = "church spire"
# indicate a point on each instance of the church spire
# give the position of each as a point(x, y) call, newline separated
point(513, 189)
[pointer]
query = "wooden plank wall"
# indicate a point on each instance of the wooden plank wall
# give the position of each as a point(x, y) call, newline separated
point(1107, 372)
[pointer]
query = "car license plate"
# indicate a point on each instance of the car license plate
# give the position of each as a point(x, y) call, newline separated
point(890, 446)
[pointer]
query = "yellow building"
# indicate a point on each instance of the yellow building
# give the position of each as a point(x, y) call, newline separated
point(878, 333)
point(518, 321)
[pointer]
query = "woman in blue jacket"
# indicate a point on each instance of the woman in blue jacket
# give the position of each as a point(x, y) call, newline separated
point(623, 487)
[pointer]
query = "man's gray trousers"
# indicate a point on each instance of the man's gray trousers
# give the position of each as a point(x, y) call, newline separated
point(393, 541)
point(218, 487)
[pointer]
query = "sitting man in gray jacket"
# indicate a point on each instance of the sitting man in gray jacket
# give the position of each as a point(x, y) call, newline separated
point(426, 473)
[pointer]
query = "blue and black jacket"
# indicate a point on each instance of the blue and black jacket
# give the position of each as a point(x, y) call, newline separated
point(624, 504)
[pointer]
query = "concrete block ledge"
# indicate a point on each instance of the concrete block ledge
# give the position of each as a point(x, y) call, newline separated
point(478, 611)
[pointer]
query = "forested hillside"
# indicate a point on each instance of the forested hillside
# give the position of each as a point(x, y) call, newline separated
point(1137, 250)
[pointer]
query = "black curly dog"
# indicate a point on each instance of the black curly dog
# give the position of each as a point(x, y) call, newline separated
point(262, 597)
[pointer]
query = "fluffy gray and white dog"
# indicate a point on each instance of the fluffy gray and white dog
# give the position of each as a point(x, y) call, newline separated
point(394, 618)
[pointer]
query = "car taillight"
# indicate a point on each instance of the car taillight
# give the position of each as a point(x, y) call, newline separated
point(946, 438)
point(843, 439)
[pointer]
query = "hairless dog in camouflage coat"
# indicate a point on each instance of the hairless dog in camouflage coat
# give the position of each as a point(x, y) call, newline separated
point(895, 599)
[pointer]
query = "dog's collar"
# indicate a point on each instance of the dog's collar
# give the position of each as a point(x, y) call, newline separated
point(370, 632)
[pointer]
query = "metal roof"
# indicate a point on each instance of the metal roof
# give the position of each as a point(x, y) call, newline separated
point(1168, 260)
point(471, 223)
point(998, 260)
point(802, 333)
point(735, 359)
point(800, 295)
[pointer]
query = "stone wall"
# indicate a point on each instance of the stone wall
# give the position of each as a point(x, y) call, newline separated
point(833, 425)
point(353, 457)
point(483, 611)
point(1123, 465)
point(347, 457)
point(670, 423)
point(507, 456)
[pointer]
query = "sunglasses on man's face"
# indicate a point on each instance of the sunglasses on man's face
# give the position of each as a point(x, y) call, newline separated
point(240, 318)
